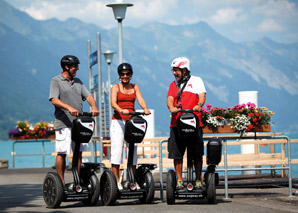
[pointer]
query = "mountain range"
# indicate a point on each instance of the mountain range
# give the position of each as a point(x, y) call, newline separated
point(30, 53)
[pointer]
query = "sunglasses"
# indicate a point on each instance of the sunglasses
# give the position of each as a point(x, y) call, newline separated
point(176, 69)
point(125, 74)
point(75, 65)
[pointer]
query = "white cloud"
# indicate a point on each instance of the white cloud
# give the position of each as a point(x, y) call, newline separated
point(238, 20)
point(270, 25)
point(152, 10)
point(89, 11)
point(220, 91)
point(227, 15)
point(277, 8)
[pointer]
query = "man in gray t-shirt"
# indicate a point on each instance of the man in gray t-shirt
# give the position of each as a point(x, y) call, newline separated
point(67, 94)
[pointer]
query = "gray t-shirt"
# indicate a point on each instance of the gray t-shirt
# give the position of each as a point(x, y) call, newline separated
point(73, 94)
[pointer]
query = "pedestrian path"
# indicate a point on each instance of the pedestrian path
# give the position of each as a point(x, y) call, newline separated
point(20, 190)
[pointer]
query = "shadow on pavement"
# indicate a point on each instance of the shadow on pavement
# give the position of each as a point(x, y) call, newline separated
point(19, 195)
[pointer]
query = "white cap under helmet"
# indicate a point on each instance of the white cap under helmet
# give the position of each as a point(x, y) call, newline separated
point(181, 62)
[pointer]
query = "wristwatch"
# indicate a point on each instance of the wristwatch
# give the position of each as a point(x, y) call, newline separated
point(200, 104)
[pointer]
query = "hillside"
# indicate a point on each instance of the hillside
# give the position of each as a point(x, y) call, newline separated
point(31, 50)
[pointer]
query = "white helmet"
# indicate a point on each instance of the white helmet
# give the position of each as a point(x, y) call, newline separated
point(181, 62)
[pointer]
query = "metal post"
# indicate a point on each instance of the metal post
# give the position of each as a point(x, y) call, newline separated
point(290, 166)
point(109, 93)
point(120, 40)
point(13, 155)
point(226, 169)
point(89, 67)
point(161, 169)
point(43, 157)
point(99, 124)
point(101, 155)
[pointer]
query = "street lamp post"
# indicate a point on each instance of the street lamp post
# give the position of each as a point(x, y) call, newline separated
point(119, 10)
point(109, 57)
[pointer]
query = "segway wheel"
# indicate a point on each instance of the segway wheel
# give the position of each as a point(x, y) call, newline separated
point(52, 190)
point(148, 183)
point(211, 188)
point(171, 187)
point(94, 196)
point(108, 188)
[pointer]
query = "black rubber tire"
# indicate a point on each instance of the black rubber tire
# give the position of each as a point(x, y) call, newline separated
point(52, 190)
point(149, 188)
point(93, 198)
point(211, 188)
point(171, 187)
point(108, 188)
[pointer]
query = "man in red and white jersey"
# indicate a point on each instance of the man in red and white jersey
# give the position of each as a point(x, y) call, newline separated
point(186, 92)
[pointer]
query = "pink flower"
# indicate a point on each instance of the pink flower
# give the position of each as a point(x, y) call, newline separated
point(208, 106)
point(205, 110)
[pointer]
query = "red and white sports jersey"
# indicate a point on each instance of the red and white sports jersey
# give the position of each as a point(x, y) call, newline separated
point(189, 97)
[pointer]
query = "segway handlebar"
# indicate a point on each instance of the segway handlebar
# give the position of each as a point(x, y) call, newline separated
point(89, 114)
point(185, 110)
point(135, 113)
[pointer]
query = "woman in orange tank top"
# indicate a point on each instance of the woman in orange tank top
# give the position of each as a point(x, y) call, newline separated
point(123, 97)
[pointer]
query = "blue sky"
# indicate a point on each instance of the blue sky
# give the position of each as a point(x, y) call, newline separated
point(238, 20)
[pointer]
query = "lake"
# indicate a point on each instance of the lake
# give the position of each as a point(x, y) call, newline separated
point(33, 148)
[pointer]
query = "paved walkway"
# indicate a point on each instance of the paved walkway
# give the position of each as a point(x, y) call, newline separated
point(20, 191)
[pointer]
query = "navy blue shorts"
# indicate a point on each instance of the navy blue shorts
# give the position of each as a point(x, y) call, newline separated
point(176, 147)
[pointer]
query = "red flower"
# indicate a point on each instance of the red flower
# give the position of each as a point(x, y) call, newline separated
point(249, 127)
point(257, 114)
point(250, 114)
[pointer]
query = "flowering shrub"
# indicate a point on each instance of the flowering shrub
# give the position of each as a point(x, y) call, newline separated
point(25, 130)
point(242, 117)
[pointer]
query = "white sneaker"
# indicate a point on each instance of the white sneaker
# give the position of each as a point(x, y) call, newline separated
point(120, 187)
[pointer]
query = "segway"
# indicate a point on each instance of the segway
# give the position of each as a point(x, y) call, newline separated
point(187, 125)
point(85, 187)
point(135, 130)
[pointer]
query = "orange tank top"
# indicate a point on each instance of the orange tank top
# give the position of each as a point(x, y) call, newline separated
point(125, 101)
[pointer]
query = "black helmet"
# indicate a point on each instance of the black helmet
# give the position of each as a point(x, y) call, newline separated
point(69, 60)
point(124, 66)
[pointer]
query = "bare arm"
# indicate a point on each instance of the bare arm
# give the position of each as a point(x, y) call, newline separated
point(92, 103)
point(141, 100)
point(170, 104)
point(202, 99)
point(58, 103)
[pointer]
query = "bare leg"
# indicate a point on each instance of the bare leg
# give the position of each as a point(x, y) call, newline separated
point(60, 166)
point(178, 167)
point(198, 168)
point(115, 170)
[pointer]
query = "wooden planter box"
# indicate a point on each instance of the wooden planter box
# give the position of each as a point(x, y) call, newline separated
point(228, 129)
point(33, 137)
